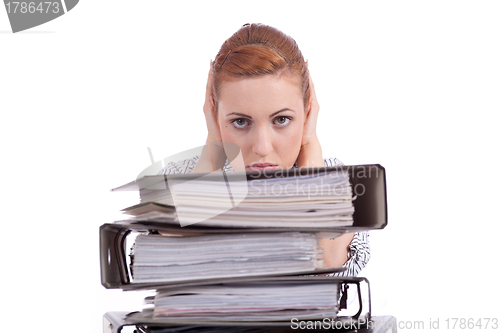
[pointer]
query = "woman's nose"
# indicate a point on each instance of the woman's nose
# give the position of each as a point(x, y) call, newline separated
point(262, 144)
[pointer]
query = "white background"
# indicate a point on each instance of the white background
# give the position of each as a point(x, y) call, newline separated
point(413, 86)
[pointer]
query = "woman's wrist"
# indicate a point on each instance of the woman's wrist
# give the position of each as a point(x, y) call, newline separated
point(204, 164)
point(311, 155)
point(212, 157)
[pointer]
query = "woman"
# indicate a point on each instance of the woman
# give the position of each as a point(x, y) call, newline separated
point(260, 96)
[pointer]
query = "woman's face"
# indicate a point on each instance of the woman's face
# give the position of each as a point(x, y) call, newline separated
point(264, 116)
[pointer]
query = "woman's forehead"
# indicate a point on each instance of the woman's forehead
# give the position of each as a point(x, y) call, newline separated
point(268, 92)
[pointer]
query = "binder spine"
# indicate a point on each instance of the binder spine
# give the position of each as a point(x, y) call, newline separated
point(112, 256)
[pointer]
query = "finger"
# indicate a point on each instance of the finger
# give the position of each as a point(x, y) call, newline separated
point(208, 92)
point(313, 99)
point(311, 84)
point(209, 110)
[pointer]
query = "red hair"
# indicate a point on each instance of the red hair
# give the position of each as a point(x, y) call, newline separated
point(258, 49)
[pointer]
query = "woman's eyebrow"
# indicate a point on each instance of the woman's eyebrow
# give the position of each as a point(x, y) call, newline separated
point(249, 117)
point(275, 113)
point(239, 114)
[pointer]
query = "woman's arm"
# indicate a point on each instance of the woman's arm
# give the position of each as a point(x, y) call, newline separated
point(213, 156)
point(310, 156)
point(336, 250)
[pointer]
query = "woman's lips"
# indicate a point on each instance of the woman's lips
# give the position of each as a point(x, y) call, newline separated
point(262, 166)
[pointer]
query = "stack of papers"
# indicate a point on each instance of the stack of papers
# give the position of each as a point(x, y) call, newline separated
point(263, 301)
point(160, 258)
point(317, 201)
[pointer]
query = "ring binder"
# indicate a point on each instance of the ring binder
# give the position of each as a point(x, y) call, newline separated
point(114, 272)
point(115, 320)
point(368, 183)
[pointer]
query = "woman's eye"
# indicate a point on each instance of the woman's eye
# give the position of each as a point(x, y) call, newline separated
point(240, 123)
point(281, 121)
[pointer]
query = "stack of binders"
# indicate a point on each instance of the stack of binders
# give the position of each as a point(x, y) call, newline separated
point(227, 261)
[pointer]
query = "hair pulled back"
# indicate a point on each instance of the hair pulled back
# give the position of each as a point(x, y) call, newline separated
point(258, 49)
